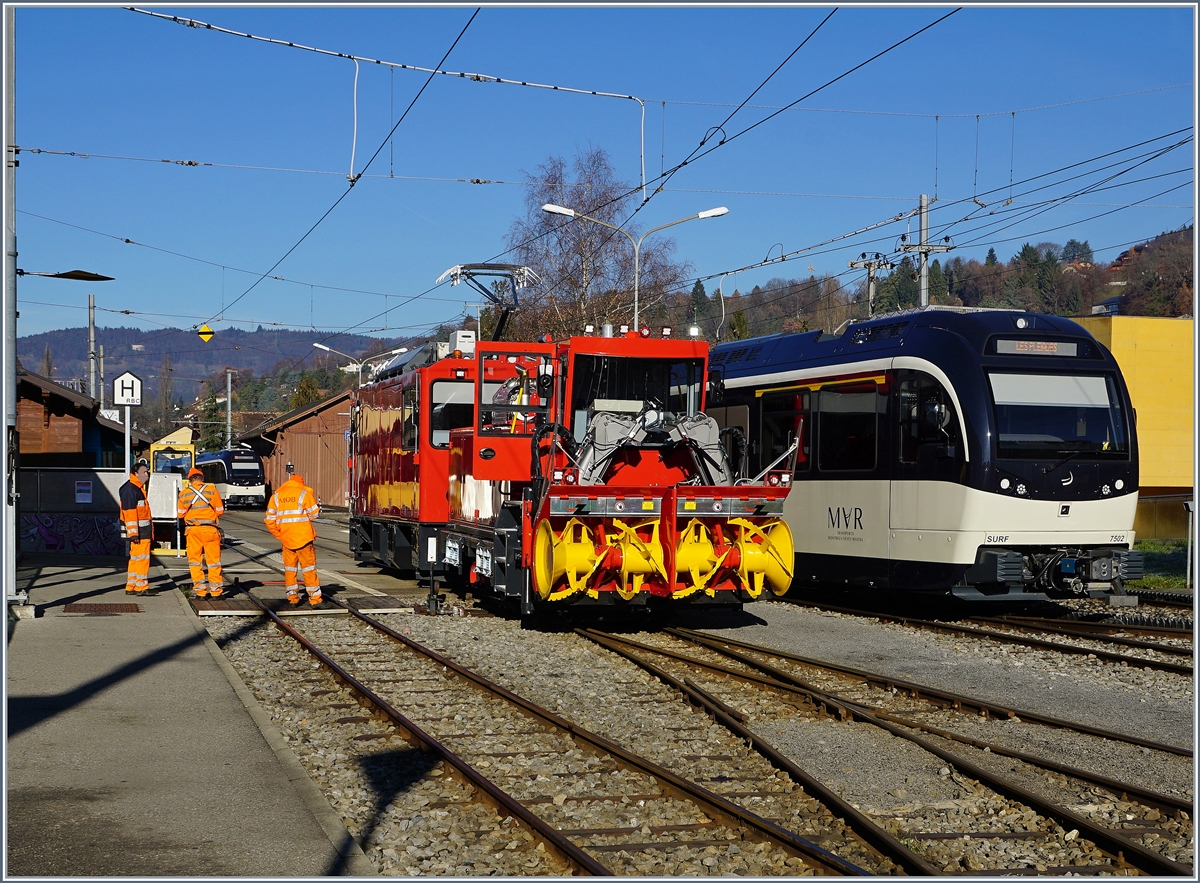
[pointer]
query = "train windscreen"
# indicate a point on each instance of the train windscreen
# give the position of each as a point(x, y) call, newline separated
point(674, 383)
point(246, 470)
point(1055, 414)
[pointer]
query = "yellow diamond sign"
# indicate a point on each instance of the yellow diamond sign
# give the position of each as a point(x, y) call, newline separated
point(205, 333)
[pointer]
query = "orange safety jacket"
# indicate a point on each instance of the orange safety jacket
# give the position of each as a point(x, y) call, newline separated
point(291, 512)
point(200, 505)
point(135, 511)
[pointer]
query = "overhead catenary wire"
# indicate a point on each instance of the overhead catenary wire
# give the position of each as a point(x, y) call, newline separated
point(365, 167)
point(491, 78)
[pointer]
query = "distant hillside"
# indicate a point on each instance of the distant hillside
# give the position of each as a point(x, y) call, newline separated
point(192, 360)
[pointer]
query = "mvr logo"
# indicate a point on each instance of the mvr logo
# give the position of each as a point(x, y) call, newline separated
point(845, 519)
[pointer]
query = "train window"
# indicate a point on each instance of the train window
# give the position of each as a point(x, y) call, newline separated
point(849, 427)
point(509, 401)
point(410, 416)
point(785, 415)
point(1056, 414)
point(452, 406)
point(926, 416)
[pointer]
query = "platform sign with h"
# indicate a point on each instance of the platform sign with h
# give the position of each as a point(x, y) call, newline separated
point(127, 391)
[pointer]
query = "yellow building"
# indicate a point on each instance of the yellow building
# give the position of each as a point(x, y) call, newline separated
point(1157, 359)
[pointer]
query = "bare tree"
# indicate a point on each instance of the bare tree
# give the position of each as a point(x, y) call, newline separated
point(586, 269)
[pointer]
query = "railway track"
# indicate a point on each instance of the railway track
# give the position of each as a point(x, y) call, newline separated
point(942, 848)
point(596, 806)
point(962, 848)
point(1004, 630)
point(1091, 627)
point(849, 678)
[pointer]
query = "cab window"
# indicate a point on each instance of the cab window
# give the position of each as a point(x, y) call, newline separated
point(451, 406)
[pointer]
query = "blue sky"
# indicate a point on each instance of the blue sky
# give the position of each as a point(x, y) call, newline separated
point(106, 81)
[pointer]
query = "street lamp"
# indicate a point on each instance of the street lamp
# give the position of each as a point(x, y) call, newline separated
point(571, 213)
point(359, 365)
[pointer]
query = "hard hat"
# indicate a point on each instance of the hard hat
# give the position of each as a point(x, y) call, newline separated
point(195, 473)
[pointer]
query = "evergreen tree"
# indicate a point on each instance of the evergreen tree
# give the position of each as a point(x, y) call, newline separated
point(899, 289)
point(939, 289)
point(1075, 250)
point(307, 392)
point(212, 423)
point(700, 303)
point(47, 368)
point(991, 260)
point(739, 326)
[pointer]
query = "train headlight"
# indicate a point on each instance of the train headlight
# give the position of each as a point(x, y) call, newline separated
point(1106, 490)
point(1005, 484)
point(1021, 489)
point(773, 480)
point(1119, 484)
point(785, 479)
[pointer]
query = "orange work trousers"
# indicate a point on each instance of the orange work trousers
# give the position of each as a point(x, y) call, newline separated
point(204, 546)
point(303, 560)
point(137, 576)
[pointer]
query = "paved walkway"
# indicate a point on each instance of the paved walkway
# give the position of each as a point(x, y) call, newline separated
point(134, 749)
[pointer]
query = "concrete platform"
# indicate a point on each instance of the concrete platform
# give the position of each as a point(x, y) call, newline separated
point(134, 749)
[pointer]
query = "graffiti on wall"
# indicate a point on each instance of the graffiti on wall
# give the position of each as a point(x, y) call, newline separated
point(71, 534)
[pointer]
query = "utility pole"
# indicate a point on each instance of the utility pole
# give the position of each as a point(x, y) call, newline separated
point(925, 248)
point(8, 389)
point(871, 266)
point(101, 377)
point(228, 407)
point(92, 345)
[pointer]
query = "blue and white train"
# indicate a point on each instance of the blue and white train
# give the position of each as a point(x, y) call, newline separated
point(237, 474)
point(983, 453)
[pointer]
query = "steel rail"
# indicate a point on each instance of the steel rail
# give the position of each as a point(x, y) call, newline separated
point(954, 700)
point(1117, 845)
point(869, 831)
point(1083, 627)
point(950, 628)
point(731, 813)
point(1166, 599)
point(1056, 629)
point(825, 700)
point(564, 847)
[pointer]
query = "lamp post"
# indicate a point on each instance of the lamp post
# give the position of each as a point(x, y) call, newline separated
point(553, 209)
point(359, 365)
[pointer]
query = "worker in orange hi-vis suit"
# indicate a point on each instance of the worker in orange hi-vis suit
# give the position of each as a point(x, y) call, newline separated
point(200, 507)
point(290, 515)
point(136, 528)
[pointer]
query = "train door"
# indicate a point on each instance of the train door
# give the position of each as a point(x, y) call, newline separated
point(928, 456)
point(928, 497)
point(847, 503)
